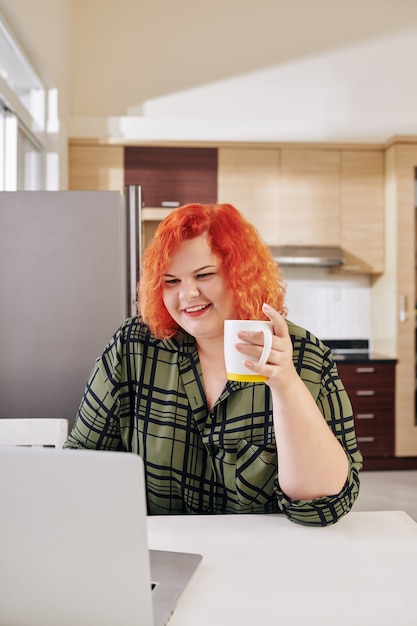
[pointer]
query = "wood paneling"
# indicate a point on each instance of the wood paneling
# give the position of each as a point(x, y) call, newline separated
point(396, 289)
point(362, 208)
point(96, 167)
point(310, 197)
point(248, 178)
point(406, 429)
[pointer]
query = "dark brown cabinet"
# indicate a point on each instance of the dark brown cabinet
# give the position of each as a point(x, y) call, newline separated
point(371, 388)
point(172, 176)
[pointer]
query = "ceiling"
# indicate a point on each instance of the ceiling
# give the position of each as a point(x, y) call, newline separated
point(267, 70)
point(364, 91)
point(320, 70)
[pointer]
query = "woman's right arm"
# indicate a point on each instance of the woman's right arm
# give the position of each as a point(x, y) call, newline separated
point(97, 423)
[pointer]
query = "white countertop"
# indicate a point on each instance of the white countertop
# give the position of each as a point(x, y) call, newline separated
point(260, 569)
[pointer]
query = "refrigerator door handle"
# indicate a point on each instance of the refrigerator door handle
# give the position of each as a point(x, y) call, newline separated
point(133, 207)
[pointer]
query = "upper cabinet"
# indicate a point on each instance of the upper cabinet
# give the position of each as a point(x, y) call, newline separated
point(310, 197)
point(172, 176)
point(362, 210)
point(249, 179)
point(95, 167)
point(303, 195)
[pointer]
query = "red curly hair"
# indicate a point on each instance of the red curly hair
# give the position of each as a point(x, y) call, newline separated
point(251, 272)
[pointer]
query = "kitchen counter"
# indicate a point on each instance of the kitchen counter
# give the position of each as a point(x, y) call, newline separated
point(370, 357)
point(369, 379)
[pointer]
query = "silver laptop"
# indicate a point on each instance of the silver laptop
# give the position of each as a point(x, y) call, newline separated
point(73, 542)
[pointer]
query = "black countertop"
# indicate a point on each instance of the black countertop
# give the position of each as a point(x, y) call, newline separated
point(370, 357)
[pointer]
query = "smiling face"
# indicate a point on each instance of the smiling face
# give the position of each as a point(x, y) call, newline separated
point(195, 291)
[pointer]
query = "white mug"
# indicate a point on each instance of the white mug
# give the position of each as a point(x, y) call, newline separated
point(235, 368)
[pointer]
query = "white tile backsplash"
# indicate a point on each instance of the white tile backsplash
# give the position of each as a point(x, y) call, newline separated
point(329, 305)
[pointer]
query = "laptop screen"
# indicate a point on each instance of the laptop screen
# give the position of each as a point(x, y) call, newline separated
point(73, 540)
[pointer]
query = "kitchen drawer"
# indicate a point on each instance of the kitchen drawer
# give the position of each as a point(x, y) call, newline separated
point(370, 386)
point(367, 374)
point(375, 437)
point(367, 420)
point(371, 389)
point(375, 446)
point(374, 423)
point(369, 399)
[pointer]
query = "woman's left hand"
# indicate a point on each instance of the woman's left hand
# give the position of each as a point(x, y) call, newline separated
point(279, 368)
point(311, 461)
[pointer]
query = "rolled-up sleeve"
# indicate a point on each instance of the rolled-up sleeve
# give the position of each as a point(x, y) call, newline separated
point(319, 372)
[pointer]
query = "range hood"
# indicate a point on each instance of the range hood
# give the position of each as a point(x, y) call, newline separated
point(319, 256)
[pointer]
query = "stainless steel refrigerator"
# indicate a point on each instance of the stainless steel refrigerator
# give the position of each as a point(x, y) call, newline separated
point(65, 270)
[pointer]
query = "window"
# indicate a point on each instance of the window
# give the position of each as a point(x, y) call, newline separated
point(8, 149)
point(28, 162)
point(22, 119)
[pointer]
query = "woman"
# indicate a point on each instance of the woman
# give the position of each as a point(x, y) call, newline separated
point(160, 390)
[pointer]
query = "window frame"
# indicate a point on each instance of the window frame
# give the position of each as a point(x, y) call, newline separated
point(21, 127)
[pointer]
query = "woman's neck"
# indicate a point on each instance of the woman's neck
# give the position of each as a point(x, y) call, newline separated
point(213, 368)
point(211, 349)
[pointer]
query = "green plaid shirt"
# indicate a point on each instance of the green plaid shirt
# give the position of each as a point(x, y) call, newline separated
point(147, 396)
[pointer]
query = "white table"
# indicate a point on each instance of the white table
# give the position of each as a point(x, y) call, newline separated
point(264, 569)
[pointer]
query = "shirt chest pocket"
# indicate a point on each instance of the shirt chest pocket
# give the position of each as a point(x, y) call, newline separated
point(256, 471)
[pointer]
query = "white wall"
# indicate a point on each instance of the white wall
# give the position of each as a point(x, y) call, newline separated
point(330, 306)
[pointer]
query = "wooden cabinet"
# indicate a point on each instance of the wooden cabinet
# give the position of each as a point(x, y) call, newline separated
point(294, 195)
point(249, 179)
point(371, 388)
point(335, 197)
point(394, 294)
point(310, 197)
point(95, 167)
point(362, 210)
point(172, 176)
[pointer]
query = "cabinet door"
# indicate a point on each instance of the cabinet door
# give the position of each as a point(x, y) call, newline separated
point(310, 197)
point(95, 167)
point(395, 295)
point(371, 389)
point(362, 200)
point(248, 178)
point(172, 176)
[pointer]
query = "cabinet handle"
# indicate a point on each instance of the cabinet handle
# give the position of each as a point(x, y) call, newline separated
point(170, 204)
point(365, 439)
point(365, 392)
point(365, 416)
point(365, 370)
